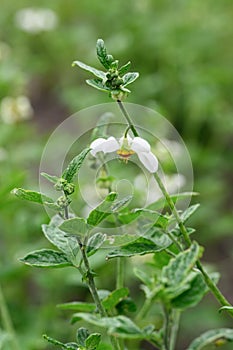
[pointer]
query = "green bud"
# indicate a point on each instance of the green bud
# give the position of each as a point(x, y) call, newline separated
point(63, 202)
point(69, 188)
point(59, 185)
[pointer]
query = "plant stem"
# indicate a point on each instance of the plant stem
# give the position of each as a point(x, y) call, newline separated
point(6, 320)
point(127, 117)
point(175, 320)
point(212, 286)
point(120, 273)
point(94, 293)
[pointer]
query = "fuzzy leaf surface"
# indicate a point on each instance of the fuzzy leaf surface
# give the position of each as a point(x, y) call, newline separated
point(215, 336)
point(102, 55)
point(178, 268)
point(46, 258)
point(120, 326)
point(102, 210)
point(78, 306)
point(95, 242)
point(98, 73)
point(114, 298)
point(31, 196)
point(74, 226)
point(129, 78)
point(98, 84)
point(74, 166)
point(68, 244)
point(194, 294)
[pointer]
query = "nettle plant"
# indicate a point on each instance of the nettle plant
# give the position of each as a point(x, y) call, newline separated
point(173, 276)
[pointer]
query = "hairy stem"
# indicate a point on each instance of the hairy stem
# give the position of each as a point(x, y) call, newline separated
point(6, 321)
point(175, 321)
point(94, 293)
point(127, 117)
point(212, 286)
point(120, 273)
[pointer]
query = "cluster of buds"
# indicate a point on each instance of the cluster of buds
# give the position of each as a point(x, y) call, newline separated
point(65, 186)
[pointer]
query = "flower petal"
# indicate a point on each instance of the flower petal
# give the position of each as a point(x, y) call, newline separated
point(96, 146)
point(103, 145)
point(140, 145)
point(111, 145)
point(149, 161)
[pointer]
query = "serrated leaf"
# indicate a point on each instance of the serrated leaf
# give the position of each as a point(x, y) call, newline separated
point(124, 69)
point(102, 210)
point(52, 178)
point(78, 306)
point(66, 243)
point(214, 336)
point(179, 267)
point(98, 73)
point(194, 294)
point(98, 84)
point(114, 298)
point(46, 258)
point(161, 202)
point(82, 335)
point(31, 196)
point(95, 242)
point(129, 78)
point(74, 226)
point(93, 341)
point(189, 212)
point(102, 55)
point(74, 166)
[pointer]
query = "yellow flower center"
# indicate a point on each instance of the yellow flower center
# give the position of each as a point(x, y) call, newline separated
point(125, 154)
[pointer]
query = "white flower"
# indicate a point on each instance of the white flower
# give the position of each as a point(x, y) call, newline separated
point(13, 110)
point(36, 20)
point(125, 147)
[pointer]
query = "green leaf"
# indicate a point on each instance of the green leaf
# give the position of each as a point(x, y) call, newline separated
point(194, 294)
point(189, 212)
point(46, 258)
point(114, 298)
point(129, 78)
point(31, 196)
point(74, 166)
point(67, 346)
point(95, 242)
point(141, 246)
point(98, 84)
point(215, 336)
point(120, 326)
point(75, 226)
point(179, 267)
point(102, 55)
point(102, 210)
point(78, 306)
point(98, 73)
point(51, 178)
point(124, 69)
point(226, 308)
point(93, 341)
point(161, 202)
point(82, 335)
point(119, 240)
point(66, 243)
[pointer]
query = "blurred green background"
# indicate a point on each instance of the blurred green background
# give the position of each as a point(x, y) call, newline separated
point(184, 53)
